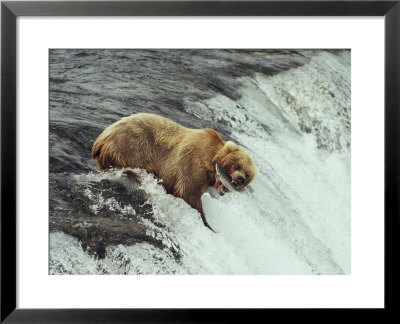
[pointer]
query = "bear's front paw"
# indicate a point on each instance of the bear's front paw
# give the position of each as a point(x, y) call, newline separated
point(222, 190)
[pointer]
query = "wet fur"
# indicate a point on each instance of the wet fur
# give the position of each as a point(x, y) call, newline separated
point(183, 158)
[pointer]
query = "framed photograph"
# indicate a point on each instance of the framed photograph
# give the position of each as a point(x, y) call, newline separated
point(197, 160)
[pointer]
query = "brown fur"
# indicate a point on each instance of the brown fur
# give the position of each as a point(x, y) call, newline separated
point(183, 158)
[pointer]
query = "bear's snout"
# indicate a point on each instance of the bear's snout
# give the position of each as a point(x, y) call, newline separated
point(238, 181)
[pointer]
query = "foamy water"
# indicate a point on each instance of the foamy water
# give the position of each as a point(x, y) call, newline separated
point(295, 219)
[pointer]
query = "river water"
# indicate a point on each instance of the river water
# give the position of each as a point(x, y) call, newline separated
point(291, 111)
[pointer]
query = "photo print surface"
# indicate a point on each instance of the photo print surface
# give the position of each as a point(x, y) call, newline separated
point(212, 161)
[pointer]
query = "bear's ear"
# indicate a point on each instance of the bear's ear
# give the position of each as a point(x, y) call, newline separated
point(224, 151)
point(230, 147)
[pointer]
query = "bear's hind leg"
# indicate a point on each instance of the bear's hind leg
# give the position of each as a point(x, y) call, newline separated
point(132, 176)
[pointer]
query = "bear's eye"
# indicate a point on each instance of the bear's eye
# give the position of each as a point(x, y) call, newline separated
point(237, 167)
point(247, 175)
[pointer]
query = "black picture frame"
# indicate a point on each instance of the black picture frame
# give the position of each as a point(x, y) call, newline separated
point(10, 10)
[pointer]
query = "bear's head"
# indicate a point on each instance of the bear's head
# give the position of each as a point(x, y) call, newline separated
point(237, 164)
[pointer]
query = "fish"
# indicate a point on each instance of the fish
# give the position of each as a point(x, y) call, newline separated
point(225, 178)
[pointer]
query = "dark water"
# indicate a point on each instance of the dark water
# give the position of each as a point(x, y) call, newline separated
point(91, 89)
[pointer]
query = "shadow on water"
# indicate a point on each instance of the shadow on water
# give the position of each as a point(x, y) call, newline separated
point(77, 212)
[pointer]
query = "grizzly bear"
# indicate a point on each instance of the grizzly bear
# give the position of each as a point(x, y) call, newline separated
point(184, 158)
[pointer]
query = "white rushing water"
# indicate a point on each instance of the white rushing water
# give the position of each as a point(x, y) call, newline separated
point(296, 217)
